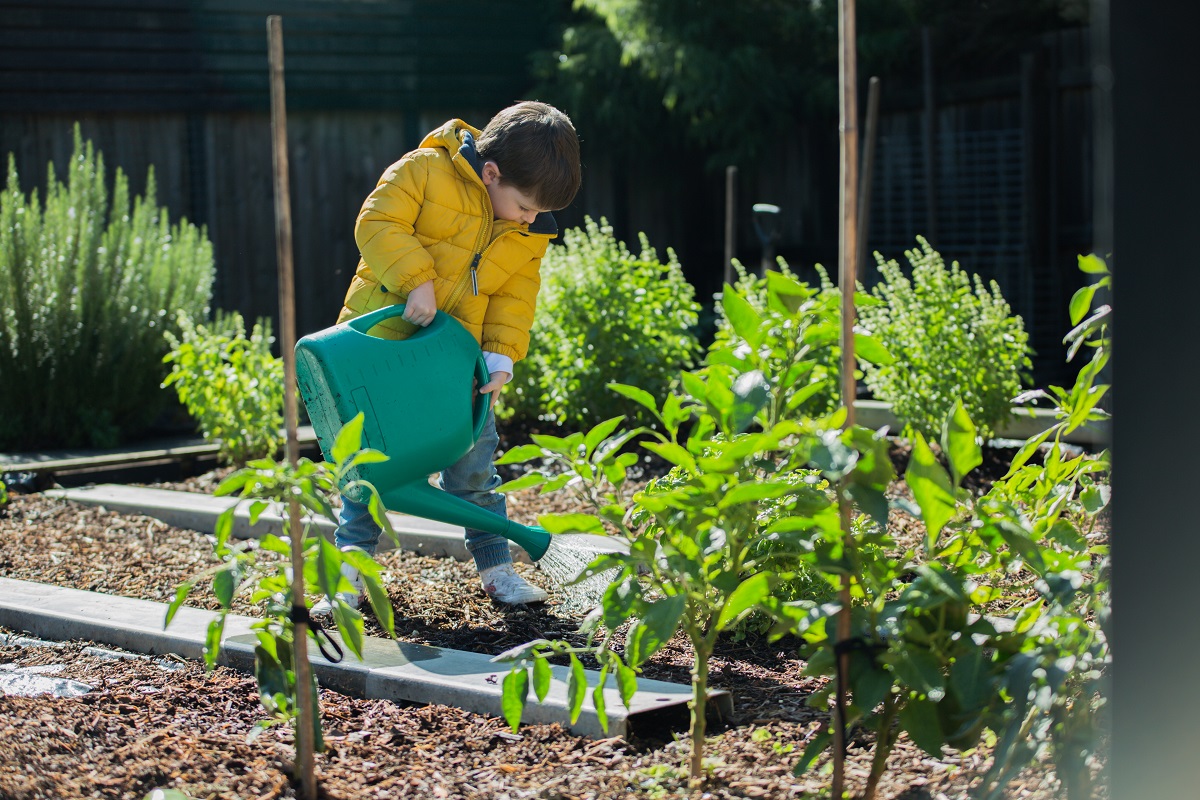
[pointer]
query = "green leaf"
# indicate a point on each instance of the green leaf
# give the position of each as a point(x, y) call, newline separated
point(181, 593)
point(599, 433)
point(741, 316)
point(626, 683)
point(920, 719)
point(329, 567)
point(380, 602)
point(576, 688)
point(526, 481)
point(571, 523)
point(656, 626)
point(349, 439)
point(1081, 301)
point(674, 453)
point(639, 396)
point(1092, 264)
point(599, 704)
point(746, 596)
point(541, 678)
point(931, 488)
point(212, 641)
point(349, 623)
point(959, 443)
point(751, 391)
point(515, 693)
point(868, 348)
point(225, 583)
point(920, 670)
point(521, 454)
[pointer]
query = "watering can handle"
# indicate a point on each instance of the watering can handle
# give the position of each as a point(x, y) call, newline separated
point(479, 406)
point(482, 401)
point(364, 323)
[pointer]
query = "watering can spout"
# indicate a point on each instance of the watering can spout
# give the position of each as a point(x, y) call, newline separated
point(423, 500)
point(419, 407)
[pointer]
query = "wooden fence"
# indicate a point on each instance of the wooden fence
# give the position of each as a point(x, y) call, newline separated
point(182, 85)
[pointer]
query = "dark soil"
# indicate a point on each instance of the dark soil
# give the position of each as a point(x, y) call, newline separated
point(151, 724)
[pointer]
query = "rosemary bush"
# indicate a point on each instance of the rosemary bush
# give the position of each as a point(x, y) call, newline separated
point(88, 285)
point(604, 314)
point(953, 338)
point(230, 384)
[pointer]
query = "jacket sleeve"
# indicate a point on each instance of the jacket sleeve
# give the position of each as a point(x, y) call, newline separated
point(385, 225)
point(509, 314)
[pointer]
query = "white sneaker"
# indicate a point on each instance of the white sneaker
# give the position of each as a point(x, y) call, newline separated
point(353, 599)
point(502, 583)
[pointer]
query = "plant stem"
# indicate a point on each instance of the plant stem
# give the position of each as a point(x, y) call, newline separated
point(699, 702)
point(883, 747)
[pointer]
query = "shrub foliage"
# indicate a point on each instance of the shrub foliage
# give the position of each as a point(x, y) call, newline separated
point(230, 384)
point(604, 314)
point(953, 338)
point(88, 285)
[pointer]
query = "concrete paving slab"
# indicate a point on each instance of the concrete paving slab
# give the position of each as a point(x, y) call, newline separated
point(390, 670)
point(199, 512)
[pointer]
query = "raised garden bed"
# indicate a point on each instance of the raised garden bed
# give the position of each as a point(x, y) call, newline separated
point(144, 726)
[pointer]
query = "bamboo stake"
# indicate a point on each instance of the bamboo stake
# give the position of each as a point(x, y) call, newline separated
point(306, 719)
point(848, 245)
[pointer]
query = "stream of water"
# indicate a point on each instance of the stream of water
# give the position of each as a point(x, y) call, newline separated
point(565, 560)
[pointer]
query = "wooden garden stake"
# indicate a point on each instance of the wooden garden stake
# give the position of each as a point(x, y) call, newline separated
point(848, 245)
point(305, 740)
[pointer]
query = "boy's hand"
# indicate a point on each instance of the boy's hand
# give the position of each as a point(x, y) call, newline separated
point(493, 386)
point(421, 305)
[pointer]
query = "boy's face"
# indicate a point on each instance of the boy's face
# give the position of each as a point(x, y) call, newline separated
point(508, 202)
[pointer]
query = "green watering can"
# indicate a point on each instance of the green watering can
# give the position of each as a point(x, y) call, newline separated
point(418, 407)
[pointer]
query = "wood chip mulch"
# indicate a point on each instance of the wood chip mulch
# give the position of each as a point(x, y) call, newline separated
point(152, 723)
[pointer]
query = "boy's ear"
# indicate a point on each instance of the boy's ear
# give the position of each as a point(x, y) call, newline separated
point(491, 173)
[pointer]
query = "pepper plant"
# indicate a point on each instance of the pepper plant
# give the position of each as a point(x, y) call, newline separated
point(994, 628)
point(261, 568)
point(698, 558)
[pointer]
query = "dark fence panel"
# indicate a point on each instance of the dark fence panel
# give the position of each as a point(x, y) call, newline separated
point(182, 86)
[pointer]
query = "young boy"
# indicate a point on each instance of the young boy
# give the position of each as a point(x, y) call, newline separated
point(461, 224)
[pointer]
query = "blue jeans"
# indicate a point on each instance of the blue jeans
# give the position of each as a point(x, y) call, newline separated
point(473, 478)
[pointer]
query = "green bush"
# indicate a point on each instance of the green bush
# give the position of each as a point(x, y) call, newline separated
point(953, 338)
point(231, 385)
point(604, 314)
point(87, 289)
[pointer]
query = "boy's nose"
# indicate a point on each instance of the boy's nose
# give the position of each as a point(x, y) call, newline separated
point(529, 217)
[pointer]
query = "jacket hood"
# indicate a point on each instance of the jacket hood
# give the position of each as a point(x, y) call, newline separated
point(458, 138)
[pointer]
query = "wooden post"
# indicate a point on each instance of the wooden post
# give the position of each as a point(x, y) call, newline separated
point(848, 245)
point(730, 220)
point(868, 170)
point(306, 720)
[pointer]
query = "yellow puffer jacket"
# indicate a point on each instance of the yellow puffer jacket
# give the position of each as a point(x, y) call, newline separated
point(430, 218)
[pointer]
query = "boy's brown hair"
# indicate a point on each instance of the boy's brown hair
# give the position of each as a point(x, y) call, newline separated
point(537, 150)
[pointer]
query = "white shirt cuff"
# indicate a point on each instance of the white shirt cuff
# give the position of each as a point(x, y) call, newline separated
point(497, 362)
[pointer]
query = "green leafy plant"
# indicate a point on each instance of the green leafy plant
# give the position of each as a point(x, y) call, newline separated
point(953, 338)
point(693, 535)
point(262, 569)
point(230, 384)
point(88, 284)
point(791, 332)
point(603, 314)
